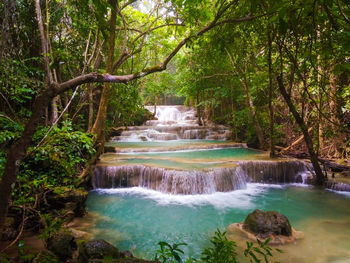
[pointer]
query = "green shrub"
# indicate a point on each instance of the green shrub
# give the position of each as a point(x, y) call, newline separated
point(56, 162)
point(168, 253)
point(221, 251)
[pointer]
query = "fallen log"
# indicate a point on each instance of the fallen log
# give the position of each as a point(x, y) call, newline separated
point(296, 142)
point(334, 167)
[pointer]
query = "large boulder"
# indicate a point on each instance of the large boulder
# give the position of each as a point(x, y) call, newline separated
point(262, 225)
point(62, 245)
point(267, 223)
point(100, 251)
point(97, 249)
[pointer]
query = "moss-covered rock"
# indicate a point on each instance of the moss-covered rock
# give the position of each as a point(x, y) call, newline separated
point(62, 244)
point(97, 249)
point(267, 223)
point(66, 199)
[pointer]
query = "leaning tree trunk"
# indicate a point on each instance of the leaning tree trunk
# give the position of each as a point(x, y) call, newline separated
point(320, 179)
point(271, 110)
point(18, 151)
point(99, 126)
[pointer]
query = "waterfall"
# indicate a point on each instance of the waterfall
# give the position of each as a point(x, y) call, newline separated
point(198, 181)
point(275, 171)
point(173, 123)
point(187, 174)
point(170, 181)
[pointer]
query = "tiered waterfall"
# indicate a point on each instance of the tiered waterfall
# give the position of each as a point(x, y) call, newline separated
point(173, 154)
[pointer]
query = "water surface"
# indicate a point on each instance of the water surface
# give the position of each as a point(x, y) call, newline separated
point(135, 218)
point(184, 159)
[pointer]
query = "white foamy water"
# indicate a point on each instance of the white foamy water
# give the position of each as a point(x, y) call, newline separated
point(178, 114)
point(173, 123)
point(345, 193)
point(241, 198)
point(135, 152)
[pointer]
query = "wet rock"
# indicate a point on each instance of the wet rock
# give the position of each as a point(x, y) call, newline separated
point(338, 186)
point(265, 224)
point(262, 225)
point(304, 178)
point(46, 257)
point(116, 131)
point(126, 254)
point(78, 234)
point(109, 149)
point(97, 249)
point(62, 244)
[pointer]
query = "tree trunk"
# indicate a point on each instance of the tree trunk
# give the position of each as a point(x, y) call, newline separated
point(252, 110)
point(18, 151)
point(54, 109)
point(272, 144)
point(99, 126)
point(320, 179)
point(234, 125)
point(199, 113)
point(90, 89)
point(154, 109)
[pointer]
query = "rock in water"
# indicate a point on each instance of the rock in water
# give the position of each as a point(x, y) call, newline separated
point(264, 224)
point(97, 249)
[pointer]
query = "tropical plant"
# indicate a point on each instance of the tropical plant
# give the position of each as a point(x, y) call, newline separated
point(168, 253)
point(221, 250)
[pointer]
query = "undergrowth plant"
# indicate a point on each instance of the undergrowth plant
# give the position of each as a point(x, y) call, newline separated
point(55, 161)
point(221, 250)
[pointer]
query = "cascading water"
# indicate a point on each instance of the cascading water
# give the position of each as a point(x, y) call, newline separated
point(170, 181)
point(187, 168)
point(173, 123)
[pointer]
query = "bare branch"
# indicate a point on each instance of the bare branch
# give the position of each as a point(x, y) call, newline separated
point(342, 12)
point(126, 4)
point(129, 29)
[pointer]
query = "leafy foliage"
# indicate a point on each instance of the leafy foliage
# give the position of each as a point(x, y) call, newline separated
point(168, 253)
point(19, 83)
point(221, 250)
point(56, 162)
point(51, 226)
point(10, 131)
point(128, 110)
point(263, 250)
